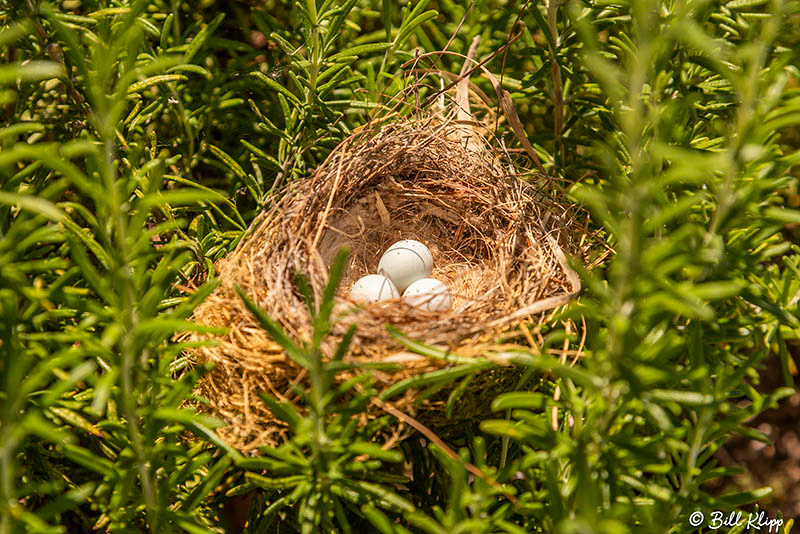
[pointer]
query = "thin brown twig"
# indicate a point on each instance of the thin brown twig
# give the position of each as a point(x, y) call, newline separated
point(458, 29)
point(428, 433)
point(328, 205)
point(467, 74)
point(504, 99)
point(582, 343)
point(505, 52)
point(558, 89)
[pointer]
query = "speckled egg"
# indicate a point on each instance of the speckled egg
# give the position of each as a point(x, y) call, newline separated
point(406, 262)
point(428, 294)
point(373, 288)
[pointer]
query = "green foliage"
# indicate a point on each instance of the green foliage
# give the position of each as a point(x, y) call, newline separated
point(139, 139)
point(92, 248)
point(330, 466)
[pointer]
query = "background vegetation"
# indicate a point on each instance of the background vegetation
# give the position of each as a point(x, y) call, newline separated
point(140, 138)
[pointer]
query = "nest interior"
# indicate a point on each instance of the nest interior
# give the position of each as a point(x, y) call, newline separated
point(495, 241)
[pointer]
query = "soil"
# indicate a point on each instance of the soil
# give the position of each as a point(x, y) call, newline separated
point(775, 464)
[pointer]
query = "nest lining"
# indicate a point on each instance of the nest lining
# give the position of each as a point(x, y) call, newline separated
point(495, 243)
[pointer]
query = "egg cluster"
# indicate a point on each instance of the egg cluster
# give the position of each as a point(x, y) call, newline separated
point(404, 268)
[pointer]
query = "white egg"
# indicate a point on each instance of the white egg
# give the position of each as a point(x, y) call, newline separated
point(428, 294)
point(406, 262)
point(372, 288)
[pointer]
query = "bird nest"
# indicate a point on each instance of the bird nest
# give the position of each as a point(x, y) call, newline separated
point(497, 242)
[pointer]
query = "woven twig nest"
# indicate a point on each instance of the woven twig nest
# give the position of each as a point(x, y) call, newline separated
point(496, 243)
